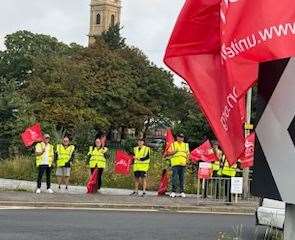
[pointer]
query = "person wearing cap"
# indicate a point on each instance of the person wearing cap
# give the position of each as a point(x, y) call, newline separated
point(44, 158)
point(178, 158)
point(65, 154)
point(141, 166)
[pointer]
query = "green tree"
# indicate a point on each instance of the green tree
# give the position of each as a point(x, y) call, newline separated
point(113, 38)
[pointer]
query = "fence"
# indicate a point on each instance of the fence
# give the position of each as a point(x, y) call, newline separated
point(219, 189)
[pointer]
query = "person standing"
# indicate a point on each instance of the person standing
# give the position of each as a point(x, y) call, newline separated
point(65, 155)
point(44, 158)
point(141, 166)
point(97, 159)
point(179, 157)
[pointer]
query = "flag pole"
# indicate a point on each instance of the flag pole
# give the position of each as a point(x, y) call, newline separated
point(246, 171)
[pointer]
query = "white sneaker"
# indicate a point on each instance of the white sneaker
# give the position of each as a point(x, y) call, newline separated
point(172, 195)
point(38, 191)
point(182, 195)
point(49, 190)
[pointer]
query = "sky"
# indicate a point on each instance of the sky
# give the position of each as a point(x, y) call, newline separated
point(147, 24)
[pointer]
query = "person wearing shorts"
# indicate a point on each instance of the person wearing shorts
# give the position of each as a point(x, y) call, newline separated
point(65, 154)
point(141, 167)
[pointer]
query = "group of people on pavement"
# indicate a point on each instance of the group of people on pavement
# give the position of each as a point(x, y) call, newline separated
point(63, 156)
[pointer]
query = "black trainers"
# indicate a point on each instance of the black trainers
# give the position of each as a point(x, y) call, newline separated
point(59, 187)
point(134, 194)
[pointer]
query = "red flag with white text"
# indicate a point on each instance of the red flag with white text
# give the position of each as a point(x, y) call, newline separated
point(216, 47)
point(204, 152)
point(247, 159)
point(194, 53)
point(123, 162)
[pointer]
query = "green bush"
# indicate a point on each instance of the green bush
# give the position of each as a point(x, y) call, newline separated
point(23, 168)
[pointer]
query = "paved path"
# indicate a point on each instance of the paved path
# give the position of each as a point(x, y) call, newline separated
point(77, 225)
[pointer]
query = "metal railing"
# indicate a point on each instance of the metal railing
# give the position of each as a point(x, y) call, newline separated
point(218, 189)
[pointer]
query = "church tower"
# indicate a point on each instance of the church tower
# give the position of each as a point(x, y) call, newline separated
point(103, 14)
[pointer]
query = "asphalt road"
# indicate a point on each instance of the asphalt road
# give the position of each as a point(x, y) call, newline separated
point(88, 225)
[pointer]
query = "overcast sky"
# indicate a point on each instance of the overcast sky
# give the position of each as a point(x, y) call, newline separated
point(147, 23)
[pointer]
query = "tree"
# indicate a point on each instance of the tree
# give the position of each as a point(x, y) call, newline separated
point(113, 38)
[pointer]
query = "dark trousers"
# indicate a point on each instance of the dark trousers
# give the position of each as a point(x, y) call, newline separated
point(99, 176)
point(178, 176)
point(42, 169)
point(228, 189)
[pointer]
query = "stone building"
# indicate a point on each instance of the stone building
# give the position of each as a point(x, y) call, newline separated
point(103, 14)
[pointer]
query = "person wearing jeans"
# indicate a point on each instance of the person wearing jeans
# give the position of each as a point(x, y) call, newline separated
point(179, 156)
point(44, 158)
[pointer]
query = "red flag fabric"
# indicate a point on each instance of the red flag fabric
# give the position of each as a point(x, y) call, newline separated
point(164, 183)
point(205, 171)
point(123, 162)
point(92, 183)
point(204, 152)
point(32, 135)
point(169, 140)
point(246, 41)
point(216, 47)
point(194, 53)
point(247, 160)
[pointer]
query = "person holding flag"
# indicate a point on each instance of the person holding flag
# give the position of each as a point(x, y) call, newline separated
point(141, 166)
point(44, 158)
point(97, 160)
point(179, 156)
point(65, 154)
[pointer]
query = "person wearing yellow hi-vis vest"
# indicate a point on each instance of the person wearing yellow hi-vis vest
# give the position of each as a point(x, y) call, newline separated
point(141, 166)
point(227, 171)
point(178, 157)
point(44, 158)
point(97, 159)
point(65, 154)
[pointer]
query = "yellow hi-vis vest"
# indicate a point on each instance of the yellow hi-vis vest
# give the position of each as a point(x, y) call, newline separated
point(138, 164)
point(97, 158)
point(229, 171)
point(181, 154)
point(50, 153)
point(216, 165)
point(64, 154)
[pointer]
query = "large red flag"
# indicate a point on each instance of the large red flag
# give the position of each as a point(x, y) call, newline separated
point(216, 47)
point(254, 31)
point(204, 152)
point(194, 53)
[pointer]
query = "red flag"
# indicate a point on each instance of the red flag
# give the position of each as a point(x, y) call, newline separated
point(92, 183)
point(205, 171)
point(216, 48)
point(204, 152)
point(123, 162)
point(194, 53)
point(32, 135)
point(253, 32)
point(169, 140)
point(247, 159)
point(164, 183)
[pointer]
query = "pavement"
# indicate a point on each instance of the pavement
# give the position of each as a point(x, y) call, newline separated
point(81, 224)
point(20, 194)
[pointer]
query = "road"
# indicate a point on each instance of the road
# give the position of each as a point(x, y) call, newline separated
point(109, 225)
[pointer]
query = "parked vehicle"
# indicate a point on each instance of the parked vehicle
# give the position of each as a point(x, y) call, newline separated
point(155, 143)
point(271, 213)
